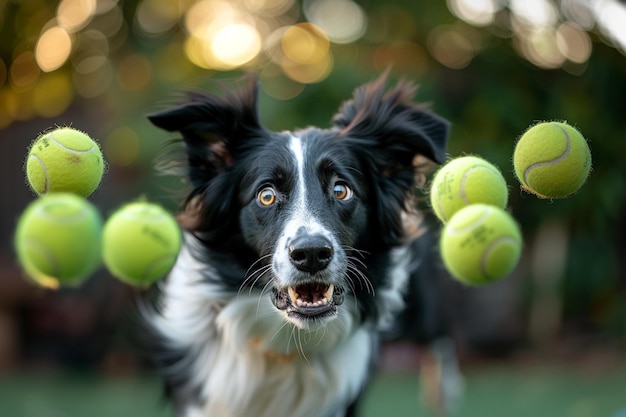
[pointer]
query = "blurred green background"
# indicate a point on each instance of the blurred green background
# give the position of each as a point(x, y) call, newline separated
point(548, 339)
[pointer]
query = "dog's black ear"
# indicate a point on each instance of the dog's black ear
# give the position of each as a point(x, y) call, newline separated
point(397, 127)
point(397, 138)
point(213, 127)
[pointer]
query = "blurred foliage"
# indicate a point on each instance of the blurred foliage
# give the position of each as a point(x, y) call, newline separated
point(493, 67)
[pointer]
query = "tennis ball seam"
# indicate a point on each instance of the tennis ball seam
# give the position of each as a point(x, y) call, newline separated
point(65, 148)
point(554, 161)
point(43, 250)
point(466, 176)
point(487, 252)
point(472, 225)
point(45, 172)
point(441, 209)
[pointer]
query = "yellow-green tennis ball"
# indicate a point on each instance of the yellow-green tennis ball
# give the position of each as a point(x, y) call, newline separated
point(58, 238)
point(141, 242)
point(464, 181)
point(64, 160)
point(552, 160)
point(480, 244)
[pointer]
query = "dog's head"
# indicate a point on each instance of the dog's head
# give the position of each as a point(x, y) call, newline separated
point(304, 212)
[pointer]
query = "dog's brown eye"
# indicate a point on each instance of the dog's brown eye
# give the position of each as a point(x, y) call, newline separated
point(266, 196)
point(342, 192)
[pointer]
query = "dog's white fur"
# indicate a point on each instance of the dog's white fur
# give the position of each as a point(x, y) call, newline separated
point(241, 343)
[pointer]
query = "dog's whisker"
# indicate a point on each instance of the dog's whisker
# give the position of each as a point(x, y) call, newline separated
point(292, 335)
point(252, 275)
point(320, 338)
point(340, 322)
point(358, 261)
point(279, 330)
point(363, 280)
point(251, 269)
point(301, 346)
point(261, 259)
point(360, 252)
point(260, 274)
point(261, 296)
point(352, 275)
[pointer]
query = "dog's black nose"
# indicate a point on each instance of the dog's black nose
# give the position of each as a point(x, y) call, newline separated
point(310, 253)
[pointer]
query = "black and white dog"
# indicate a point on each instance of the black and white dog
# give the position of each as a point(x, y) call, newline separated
point(299, 252)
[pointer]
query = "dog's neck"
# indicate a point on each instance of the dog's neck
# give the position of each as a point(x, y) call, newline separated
point(239, 344)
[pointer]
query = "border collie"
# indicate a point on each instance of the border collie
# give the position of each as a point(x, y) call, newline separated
point(299, 249)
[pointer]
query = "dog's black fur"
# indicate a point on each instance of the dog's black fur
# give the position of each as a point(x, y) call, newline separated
point(301, 250)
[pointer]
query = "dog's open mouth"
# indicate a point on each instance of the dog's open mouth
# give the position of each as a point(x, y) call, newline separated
point(309, 300)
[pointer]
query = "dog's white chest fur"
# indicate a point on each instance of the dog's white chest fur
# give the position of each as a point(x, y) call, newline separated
point(248, 361)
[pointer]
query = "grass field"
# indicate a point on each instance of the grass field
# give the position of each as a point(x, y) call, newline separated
point(494, 390)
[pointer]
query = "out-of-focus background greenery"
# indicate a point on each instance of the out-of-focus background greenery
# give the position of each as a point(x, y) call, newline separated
point(548, 340)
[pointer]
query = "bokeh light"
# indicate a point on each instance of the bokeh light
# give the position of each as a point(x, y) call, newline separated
point(540, 47)
point(343, 21)
point(547, 33)
point(305, 43)
point(24, 71)
point(311, 72)
point(573, 42)
point(611, 15)
point(538, 13)
point(579, 12)
point(235, 45)
point(74, 15)
point(268, 7)
point(155, 17)
point(95, 44)
point(476, 12)
point(53, 48)
point(93, 76)
point(452, 45)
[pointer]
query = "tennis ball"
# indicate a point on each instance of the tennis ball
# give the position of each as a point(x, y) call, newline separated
point(58, 239)
point(552, 160)
point(64, 160)
point(480, 244)
point(464, 181)
point(141, 242)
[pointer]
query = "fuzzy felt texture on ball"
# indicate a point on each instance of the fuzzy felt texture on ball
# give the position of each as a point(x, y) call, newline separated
point(64, 160)
point(552, 160)
point(58, 240)
point(464, 181)
point(480, 244)
point(141, 242)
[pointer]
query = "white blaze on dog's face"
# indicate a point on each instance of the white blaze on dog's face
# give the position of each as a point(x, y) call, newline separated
point(303, 213)
point(309, 263)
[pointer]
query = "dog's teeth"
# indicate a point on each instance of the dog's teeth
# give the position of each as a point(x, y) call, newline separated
point(328, 295)
point(298, 301)
point(293, 295)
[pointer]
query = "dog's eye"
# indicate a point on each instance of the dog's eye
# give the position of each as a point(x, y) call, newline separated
point(342, 192)
point(267, 196)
